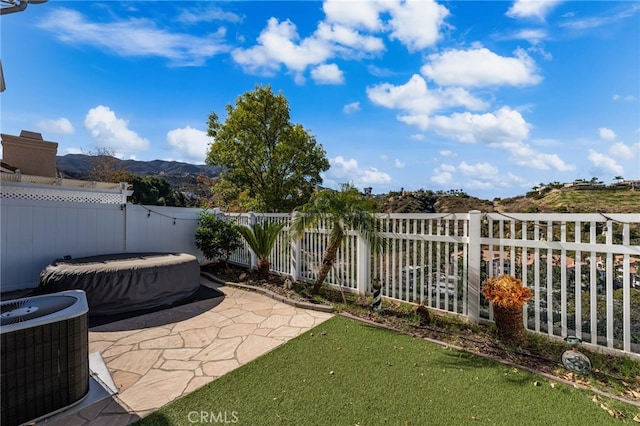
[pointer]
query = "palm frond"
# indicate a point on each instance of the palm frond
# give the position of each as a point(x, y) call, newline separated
point(342, 211)
point(261, 237)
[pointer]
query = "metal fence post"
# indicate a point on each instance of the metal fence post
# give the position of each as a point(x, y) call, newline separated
point(475, 258)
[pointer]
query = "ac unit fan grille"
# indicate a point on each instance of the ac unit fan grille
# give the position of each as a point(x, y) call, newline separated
point(44, 368)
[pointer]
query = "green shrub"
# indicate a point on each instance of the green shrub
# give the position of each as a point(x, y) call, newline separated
point(217, 238)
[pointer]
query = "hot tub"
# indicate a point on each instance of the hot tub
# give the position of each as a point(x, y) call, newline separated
point(124, 282)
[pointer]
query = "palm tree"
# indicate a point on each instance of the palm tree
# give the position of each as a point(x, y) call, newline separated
point(261, 239)
point(341, 210)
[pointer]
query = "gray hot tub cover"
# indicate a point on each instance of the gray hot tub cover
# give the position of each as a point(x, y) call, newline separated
point(124, 282)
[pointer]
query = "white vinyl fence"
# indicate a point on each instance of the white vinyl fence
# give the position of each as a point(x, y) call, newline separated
point(35, 232)
point(582, 268)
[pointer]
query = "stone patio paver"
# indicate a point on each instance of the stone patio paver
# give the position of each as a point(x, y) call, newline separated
point(156, 358)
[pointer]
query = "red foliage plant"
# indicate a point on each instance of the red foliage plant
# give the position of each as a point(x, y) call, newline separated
point(506, 291)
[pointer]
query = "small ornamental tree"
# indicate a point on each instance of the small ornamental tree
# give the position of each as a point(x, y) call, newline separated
point(217, 238)
point(508, 295)
point(342, 211)
point(261, 238)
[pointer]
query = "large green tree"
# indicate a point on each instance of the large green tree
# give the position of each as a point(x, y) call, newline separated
point(340, 211)
point(153, 190)
point(277, 163)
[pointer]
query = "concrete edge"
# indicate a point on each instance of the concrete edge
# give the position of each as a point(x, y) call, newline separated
point(295, 303)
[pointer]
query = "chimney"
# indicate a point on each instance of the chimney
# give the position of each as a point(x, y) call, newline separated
point(30, 153)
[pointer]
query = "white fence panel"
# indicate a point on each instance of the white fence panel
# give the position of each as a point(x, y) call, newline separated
point(34, 233)
point(583, 268)
point(580, 269)
point(424, 260)
point(162, 229)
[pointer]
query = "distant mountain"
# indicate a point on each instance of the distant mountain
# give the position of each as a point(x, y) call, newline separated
point(430, 202)
point(178, 174)
point(613, 199)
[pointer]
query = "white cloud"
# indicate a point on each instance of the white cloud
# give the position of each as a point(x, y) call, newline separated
point(189, 144)
point(112, 132)
point(606, 134)
point(351, 29)
point(443, 175)
point(355, 14)
point(505, 129)
point(343, 170)
point(60, 126)
point(399, 164)
point(207, 14)
point(380, 72)
point(447, 168)
point(372, 175)
point(411, 96)
point(523, 155)
point(481, 171)
point(134, 37)
point(592, 22)
point(73, 150)
point(278, 44)
point(347, 37)
point(327, 74)
point(447, 153)
point(417, 137)
point(418, 102)
point(622, 151)
point(502, 126)
point(473, 176)
point(604, 163)
point(531, 8)
point(532, 35)
point(344, 165)
point(351, 108)
point(627, 98)
point(480, 67)
point(416, 23)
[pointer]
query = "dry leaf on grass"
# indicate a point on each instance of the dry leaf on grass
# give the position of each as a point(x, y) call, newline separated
point(633, 393)
point(617, 414)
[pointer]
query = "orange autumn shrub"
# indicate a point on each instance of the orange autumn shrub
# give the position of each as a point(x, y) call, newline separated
point(506, 291)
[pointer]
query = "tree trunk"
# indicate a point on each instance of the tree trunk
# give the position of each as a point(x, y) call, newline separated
point(509, 324)
point(264, 267)
point(328, 259)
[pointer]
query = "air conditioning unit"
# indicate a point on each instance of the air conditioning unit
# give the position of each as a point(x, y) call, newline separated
point(45, 355)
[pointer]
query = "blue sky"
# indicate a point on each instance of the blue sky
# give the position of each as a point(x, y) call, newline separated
point(489, 97)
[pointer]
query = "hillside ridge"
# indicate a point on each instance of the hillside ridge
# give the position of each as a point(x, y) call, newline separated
point(551, 199)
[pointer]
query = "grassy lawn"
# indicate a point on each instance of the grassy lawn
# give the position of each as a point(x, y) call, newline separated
point(345, 372)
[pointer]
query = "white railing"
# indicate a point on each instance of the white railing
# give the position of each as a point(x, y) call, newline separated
point(582, 268)
point(440, 260)
point(41, 188)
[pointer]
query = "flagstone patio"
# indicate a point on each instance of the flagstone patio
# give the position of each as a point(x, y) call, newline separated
point(155, 358)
